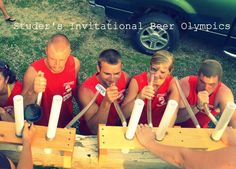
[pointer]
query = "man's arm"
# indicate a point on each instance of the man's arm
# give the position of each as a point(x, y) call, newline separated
point(33, 83)
point(130, 97)
point(28, 86)
point(185, 157)
point(228, 137)
point(183, 114)
point(26, 161)
point(77, 69)
point(224, 96)
point(177, 156)
point(5, 116)
point(95, 114)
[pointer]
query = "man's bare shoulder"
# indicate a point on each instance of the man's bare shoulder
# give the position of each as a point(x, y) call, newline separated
point(224, 92)
point(127, 76)
point(77, 63)
point(184, 83)
point(30, 73)
point(184, 80)
point(85, 91)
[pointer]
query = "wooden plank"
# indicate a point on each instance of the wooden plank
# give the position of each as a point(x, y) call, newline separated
point(63, 141)
point(56, 152)
point(113, 137)
point(119, 152)
point(85, 156)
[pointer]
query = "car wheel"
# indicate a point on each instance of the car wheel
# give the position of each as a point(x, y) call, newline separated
point(153, 36)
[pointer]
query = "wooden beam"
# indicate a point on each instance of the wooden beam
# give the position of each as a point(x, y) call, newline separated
point(57, 152)
point(114, 145)
point(85, 156)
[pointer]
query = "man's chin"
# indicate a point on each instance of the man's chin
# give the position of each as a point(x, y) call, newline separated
point(159, 82)
point(56, 71)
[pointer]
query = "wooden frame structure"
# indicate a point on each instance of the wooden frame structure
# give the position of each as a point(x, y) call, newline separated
point(57, 152)
point(113, 144)
point(107, 151)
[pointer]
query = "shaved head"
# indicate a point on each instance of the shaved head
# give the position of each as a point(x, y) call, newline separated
point(59, 42)
point(58, 50)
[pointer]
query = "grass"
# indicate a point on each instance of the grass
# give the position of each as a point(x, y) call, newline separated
point(20, 47)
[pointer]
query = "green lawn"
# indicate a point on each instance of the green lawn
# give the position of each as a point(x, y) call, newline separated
point(19, 47)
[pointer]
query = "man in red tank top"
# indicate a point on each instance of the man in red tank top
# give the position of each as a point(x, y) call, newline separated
point(110, 76)
point(162, 89)
point(56, 74)
point(206, 88)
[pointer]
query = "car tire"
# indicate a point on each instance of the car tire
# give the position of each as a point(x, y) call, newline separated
point(149, 39)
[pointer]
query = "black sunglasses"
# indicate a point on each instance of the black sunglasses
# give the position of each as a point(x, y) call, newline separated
point(4, 67)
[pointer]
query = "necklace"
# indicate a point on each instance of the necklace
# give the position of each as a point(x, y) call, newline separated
point(8, 90)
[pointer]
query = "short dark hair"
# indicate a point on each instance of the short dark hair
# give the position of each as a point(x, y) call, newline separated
point(6, 72)
point(110, 56)
point(211, 68)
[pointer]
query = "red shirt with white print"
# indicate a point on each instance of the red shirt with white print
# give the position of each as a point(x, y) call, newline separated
point(192, 98)
point(159, 101)
point(113, 118)
point(63, 84)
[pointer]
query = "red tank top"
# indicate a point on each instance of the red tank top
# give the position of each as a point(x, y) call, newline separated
point(159, 102)
point(192, 99)
point(113, 118)
point(63, 84)
point(17, 89)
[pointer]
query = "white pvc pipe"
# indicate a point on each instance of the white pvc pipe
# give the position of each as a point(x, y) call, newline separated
point(19, 114)
point(223, 122)
point(209, 114)
point(134, 119)
point(186, 104)
point(39, 98)
point(149, 103)
point(166, 119)
point(54, 116)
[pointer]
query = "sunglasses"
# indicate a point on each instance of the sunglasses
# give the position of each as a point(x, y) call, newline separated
point(4, 67)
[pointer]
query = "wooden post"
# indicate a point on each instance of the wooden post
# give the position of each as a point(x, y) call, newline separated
point(57, 152)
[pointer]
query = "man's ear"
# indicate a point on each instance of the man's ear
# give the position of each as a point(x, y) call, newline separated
point(69, 51)
point(46, 50)
point(98, 69)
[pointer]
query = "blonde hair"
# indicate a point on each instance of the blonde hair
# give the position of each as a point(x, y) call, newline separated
point(163, 56)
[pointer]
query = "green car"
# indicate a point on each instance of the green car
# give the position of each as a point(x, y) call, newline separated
point(157, 24)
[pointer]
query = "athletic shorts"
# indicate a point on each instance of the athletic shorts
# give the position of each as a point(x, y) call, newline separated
point(4, 162)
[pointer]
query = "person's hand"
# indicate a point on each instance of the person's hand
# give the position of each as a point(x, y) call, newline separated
point(2, 111)
point(40, 82)
point(28, 133)
point(112, 94)
point(203, 97)
point(145, 135)
point(146, 93)
point(229, 137)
